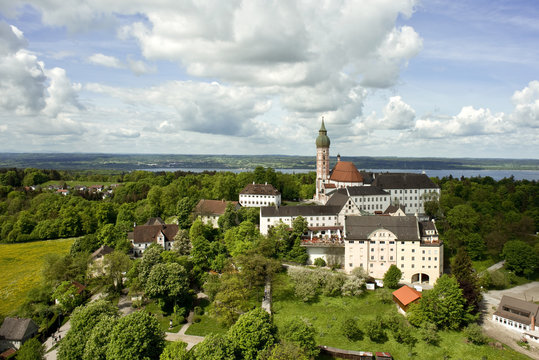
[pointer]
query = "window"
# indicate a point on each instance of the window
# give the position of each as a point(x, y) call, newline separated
point(435, 258)
point(382, 242)
point(391, 242)
point(413, 266)
point(402, 266)
point(350, 241)
point(402, 249)
point(423, 251)
point(413, 258)
point(391, 258)
point(371, 265)
point(362, 242)
point(423, 258)
point(413, 250)
point(429, 258)
point(372, 249)
point(402, 242)
point(402, 258)
point(382, 258)
point(372, 257)
point(350, 264)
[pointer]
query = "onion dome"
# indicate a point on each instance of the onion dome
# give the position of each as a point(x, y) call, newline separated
point(322, 140)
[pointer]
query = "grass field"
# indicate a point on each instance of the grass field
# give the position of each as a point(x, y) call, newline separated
point(20, 266)
point(328, 313)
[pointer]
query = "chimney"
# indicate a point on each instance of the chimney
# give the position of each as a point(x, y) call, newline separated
point(532, 327)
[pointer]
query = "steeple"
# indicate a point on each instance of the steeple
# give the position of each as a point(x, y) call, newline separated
point(322, 140)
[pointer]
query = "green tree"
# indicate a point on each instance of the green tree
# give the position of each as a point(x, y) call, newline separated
point(242, 238)
point(429, 334)
point(229, 219)
point(474, 334)
point(284, 351)
point(462, 269)
point(168, 283)
point(67, 296)
point(392, 277)
point(215, 347)
point(252, 333)
point(444, 305)
point(256, 269)
point(136, 336)
point(297, 331)
point(151, 257)
point(31, 350)
point(115, 265)
point(109, 235)
point(98, 340)
point(182, 244)
point(476, 246)
point(231, 299)
point(306, 285)
point(83, 319)
point(375, 331)
point(520, 257)
point(176, 350)
point(184, 209)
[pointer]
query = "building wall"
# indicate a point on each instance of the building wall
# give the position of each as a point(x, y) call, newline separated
point(510, 324)
point(322, 171)
point(254, 200)
point(313, 221)
point(372, 203)
point(331, 255)
point(413, 199)
point(210, 219)
point(383, 249)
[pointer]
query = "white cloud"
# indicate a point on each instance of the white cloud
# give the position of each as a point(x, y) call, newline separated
point(526, 103)
point(105, 60)
point(397, 115)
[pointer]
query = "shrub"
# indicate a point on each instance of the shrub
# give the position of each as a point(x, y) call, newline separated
point(351, 330)
point(392, 277)
point(474, 334)
point(333, 284)
point(384, 296)
point(196, 319)
point(319, 262)
point(429, 334)
point(374, 330)
point(198, 310)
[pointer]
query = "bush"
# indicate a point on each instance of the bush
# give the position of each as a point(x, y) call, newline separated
point(474, 334)
point(196, 319)
point(375, 332)
point(198, 310)
point(392, 277)
point(429, 334)
point(384, 296)
point(319, 262)
point(351, 330)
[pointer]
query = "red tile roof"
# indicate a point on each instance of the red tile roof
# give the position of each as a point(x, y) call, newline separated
point(345, 171)
point(406, 295)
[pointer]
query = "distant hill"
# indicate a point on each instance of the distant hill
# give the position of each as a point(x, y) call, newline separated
point(122, 162)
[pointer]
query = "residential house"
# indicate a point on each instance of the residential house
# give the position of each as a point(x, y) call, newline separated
point(209, 211)
point(257, 195)
point(518, 315)
point(154, 231)
point(15, 331)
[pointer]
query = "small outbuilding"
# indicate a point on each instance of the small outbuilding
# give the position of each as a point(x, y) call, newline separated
point(518, 315)
point(405, 296)
point(15, 331)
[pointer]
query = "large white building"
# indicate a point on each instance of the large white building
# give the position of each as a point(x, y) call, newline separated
point(377, 242)
point(257, 195)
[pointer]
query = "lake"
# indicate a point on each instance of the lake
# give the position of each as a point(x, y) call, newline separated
point(495, 174)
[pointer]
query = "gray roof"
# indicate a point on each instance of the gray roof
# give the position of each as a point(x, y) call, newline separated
point(315, 210)
point(17, 329)
point(365, 190)
point(403, 181)
point(517, 309)
point(360, 227)
point(339, 198)
point(391, 209)
point(427, 225)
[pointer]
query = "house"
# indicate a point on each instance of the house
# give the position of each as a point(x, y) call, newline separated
point(101, 252)
point(405, 296)
point(15, 331)
point(257, 195)
point(154, 231)
point(368, 199)
point(377, 242)
point(209, 211)
point(518, 315)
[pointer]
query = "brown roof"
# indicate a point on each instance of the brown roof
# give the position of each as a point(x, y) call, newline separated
point(259, 189)
point(517, 310)
point(17, 329)
point(149, 233)
point(406, 295)
point(102, 251)
point(391, 209)
point(79, 286)
point(212, 207)
point(6, 354)
point(345, 171)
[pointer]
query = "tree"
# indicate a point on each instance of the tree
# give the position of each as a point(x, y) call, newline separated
point(229, 219)
point(109, 235)
point(136, 336)
point(284, 351)
point(31, 350)
point(176, 350)
point(462, 269)
point(306, 286)
point(429, 334)
point(444, 305)
point(241, 238)
point(474, 334)
point(256, 269)
point(151, 257)
point(392, 277)
point(297, 331)
point(67, 296)
point(231, 299)
point(520, 257)
point(167, 282)
point(184, 210)
point(351, 330)
point(83, 319)
point(115, 265)
point(215, 347)
point(182, 244)
point(98, 339)
point(201, 252)
point(476, 246)
point(375, 331)
point(252, 333)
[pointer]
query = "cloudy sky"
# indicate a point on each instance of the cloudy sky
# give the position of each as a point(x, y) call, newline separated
point(391, 77)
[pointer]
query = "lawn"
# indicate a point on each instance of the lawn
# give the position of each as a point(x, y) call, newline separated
point(21, 269)
point(327, 314)
point(207, 324)
point(164, 319)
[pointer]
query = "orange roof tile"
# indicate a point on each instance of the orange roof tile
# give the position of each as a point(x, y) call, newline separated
point(345, 171)
point(406, 295)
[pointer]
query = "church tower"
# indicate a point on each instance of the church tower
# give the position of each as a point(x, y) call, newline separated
point(322, 162)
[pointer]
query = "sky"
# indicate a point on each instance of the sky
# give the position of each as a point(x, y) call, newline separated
point(390, 77)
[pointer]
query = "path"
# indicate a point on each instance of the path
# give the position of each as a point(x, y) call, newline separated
point(266, 302)
point(191, 340)
point(496, 266)
point(491, 300)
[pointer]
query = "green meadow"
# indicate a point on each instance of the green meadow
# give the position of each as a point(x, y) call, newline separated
point(20, 266)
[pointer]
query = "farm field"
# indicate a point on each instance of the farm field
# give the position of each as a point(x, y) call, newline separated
point(328, 313)
point(21, 269)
